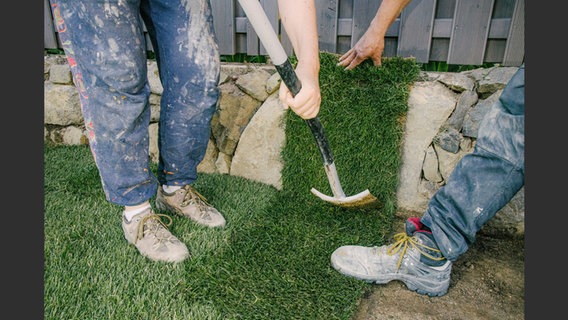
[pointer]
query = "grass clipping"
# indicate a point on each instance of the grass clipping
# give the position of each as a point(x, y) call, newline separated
point(271, 261)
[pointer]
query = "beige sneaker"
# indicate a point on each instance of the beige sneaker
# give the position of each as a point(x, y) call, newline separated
point(152, 238)
point(191, 204)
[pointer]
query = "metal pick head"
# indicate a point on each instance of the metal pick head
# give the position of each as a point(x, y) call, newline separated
point(361, 199)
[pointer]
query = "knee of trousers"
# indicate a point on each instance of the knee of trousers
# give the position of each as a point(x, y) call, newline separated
point(503, 135)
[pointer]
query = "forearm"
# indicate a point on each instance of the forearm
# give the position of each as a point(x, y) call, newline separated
point(388, 11)
point(299, 20)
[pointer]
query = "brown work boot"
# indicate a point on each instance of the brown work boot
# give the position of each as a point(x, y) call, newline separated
point(189, 203)
point(151, 237)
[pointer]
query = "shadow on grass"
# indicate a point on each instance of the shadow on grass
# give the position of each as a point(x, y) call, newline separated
point(271, 261)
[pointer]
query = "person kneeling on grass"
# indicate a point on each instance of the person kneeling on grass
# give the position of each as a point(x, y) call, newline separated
point(480, 185)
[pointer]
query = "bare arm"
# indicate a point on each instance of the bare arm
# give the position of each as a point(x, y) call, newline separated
point(372, 43)
point(299, 20)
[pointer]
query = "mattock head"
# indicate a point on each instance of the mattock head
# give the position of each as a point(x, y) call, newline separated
point(361, 199)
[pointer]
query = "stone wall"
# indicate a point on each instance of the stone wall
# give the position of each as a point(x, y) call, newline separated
point(248, 127)
point(444, 113)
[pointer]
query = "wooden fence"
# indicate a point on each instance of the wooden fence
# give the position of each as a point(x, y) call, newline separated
point(466, 32)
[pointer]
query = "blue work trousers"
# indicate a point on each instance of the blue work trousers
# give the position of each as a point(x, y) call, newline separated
point(485, 180)
point(106, 50)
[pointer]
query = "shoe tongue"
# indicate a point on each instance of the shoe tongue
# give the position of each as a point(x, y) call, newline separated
point(424, 235)
point(413, 224)
point(426, 238)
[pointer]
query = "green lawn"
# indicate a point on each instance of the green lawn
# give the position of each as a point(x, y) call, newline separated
point(271, 261)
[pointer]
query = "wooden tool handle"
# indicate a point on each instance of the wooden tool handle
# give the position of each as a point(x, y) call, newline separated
point(289, 77)
point(261, 25)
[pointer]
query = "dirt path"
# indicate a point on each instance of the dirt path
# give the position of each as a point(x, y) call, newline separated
point(487, 283)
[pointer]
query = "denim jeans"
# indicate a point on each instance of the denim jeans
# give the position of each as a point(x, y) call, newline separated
point(106, 51)
point(485, 180)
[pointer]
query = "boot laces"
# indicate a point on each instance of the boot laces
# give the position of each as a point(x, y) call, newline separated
point(154, 226)
point(192, 196)
point(404, 241)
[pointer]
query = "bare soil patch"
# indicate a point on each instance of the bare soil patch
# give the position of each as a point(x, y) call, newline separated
point(487, 282)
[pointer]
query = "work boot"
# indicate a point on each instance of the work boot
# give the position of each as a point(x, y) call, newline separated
point(414, 259)
point(189, 203)
point(148, 233)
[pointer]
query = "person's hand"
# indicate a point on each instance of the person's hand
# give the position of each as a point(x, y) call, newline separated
point(306, 103)
point(370, 45)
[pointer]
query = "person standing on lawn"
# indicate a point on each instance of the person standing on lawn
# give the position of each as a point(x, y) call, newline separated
point(106, 51)
point(482, 183)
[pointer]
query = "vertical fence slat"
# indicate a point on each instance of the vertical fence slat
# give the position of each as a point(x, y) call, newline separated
point(327, 15)
point(469, 32)
point(515, 50)
point(417, 24)
point(49, 36)
point(149, 46)
point(253, 42)
point(271, 10)
point(363, 12)
point(224, 24)
point(443, 20)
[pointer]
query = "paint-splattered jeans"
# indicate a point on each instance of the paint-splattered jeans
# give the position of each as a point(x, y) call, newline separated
point(105, 48)
point(485, 180)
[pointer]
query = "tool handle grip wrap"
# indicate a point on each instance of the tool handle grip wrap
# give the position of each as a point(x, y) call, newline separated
point(289, 77)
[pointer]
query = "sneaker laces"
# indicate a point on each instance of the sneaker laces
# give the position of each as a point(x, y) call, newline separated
point(154, 226)
point(403, 241)
point(192, 196)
